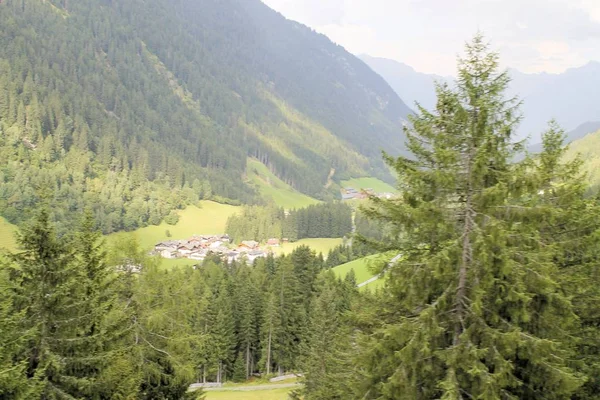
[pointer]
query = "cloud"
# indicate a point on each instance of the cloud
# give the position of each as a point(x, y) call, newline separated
point(532, 35)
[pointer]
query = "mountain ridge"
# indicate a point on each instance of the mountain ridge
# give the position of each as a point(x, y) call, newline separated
point(569, 97)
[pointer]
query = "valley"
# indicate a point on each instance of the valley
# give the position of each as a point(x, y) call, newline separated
point(214, 201)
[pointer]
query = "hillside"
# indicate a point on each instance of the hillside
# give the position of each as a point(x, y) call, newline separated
point(153, 104)
point(588, 149)
point(274, 189)
point(571, 97)
point(7, 235)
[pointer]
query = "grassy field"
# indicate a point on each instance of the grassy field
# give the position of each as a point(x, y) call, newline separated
point(362, 268)
point(208, 219)
point(272, 394)
point(587, 149)
point(7, 235)
point(318, 245)
point(271, 187)
point(369, 183)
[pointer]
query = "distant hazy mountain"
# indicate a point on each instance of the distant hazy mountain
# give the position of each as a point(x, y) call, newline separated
point(571, 97)
point(578, 133)
point(410, 85)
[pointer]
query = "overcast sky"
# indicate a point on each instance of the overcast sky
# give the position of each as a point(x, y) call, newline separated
point(531, 35)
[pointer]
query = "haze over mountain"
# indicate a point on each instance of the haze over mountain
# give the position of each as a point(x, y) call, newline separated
point(149, 94)
point(571, 98)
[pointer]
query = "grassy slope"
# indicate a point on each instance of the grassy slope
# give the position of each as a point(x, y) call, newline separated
point(271, 187)
point(373, 183)
point(208, 219)
point(272, 394)
point(588, 148)
point(318, 245)
point(7, 235)
point(362, 267)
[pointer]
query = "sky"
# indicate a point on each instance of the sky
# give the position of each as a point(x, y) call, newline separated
point(531, 35)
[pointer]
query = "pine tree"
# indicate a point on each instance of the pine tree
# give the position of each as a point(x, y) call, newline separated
point(13, 382)
point(49, 294)
point(473, 308)
point(223, 331)
point(324, 361)
point(570, 227)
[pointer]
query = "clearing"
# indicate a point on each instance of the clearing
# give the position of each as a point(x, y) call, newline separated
point(377, 185)
point(7, 235)
point(208, 219)
point(322, 245)
point(363, 269)
point(271, 187)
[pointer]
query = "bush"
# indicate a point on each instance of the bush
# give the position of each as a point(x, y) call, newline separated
point(172, 218)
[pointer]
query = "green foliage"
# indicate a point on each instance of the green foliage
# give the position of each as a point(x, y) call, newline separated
point(327, 220)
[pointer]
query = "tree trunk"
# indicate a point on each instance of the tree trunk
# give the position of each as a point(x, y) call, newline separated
point(467, 249)
point(269, 353)
point(247, 361)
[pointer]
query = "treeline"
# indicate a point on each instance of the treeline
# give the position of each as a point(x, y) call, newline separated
point(326, 220)
point(77, 322)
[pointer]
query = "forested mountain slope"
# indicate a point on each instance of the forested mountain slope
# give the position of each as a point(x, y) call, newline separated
point(138, 107)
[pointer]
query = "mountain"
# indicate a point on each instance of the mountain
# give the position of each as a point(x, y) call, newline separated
point(572, 136)
point(410, 85)
point(570, 97)
point(134, 108)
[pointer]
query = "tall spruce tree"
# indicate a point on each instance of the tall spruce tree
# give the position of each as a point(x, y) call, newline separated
point(13, 382)
point(473, 308)
point(50, 296)
point(571, 228)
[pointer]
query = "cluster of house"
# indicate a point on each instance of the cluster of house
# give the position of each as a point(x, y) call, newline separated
point(355, 194)
point(199, 247)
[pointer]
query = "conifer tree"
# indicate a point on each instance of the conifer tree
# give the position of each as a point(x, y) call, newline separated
point(473, 308)
point(49, 294)
point(13, 382)
point(326, 339)
point(571, 227)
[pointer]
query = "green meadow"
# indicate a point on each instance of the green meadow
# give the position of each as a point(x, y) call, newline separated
point(7, 235)
point(207, 219)
point(273, 188)
point(268, 394)
point(377, 185)
point(318, 245)
point(363, 269)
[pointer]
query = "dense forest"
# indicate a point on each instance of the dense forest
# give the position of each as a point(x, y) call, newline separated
point(76, 322)
point(150, 105)
point(327, 220)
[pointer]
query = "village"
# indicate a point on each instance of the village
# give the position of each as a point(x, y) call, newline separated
point(198, 247)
